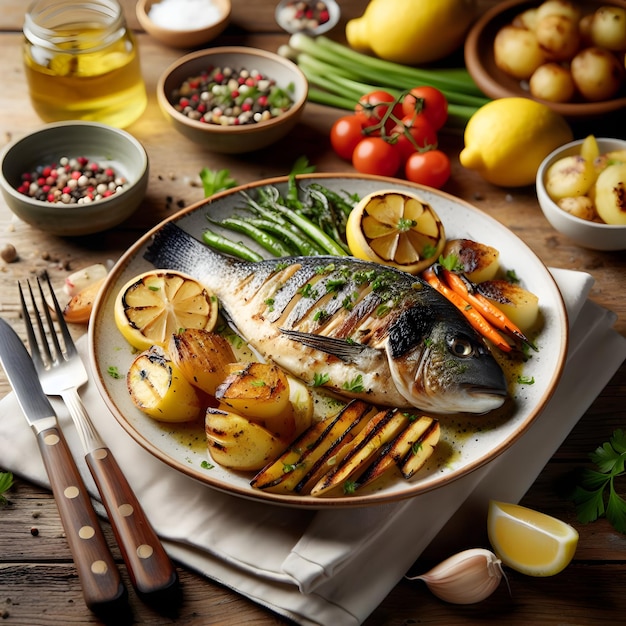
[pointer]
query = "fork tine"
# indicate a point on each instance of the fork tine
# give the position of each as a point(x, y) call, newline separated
point(55, 338)
point(30, 331)
point(70, 348)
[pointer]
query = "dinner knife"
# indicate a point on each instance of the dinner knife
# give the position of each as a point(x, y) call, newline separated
point(101, 584)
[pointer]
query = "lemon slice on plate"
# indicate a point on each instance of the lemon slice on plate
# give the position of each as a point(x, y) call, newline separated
point(528, 541)
point(395, 228)
point(152, 306)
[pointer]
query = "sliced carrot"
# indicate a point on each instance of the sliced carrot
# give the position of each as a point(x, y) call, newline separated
point(473, 316)
point(466, 289)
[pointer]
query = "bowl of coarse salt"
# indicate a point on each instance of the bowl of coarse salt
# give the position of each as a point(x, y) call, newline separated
point(183, 23)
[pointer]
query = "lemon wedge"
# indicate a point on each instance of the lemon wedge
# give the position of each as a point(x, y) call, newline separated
point(397, 229)
point(152, 306)
point(528, 541)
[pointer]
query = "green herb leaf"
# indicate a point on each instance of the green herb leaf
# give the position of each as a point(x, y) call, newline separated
point(6, 482)
point(216, 180)
point(590, 495)
point(301, 166)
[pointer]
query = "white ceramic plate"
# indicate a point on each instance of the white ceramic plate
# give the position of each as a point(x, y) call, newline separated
point(466, 443)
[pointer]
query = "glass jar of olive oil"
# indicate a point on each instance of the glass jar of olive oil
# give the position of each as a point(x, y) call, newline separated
point(82, 62)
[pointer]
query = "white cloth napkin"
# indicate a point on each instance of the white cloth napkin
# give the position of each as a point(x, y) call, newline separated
point(332, 566)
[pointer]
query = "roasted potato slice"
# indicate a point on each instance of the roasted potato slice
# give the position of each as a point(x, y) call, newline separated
point(202, 357)
point(239, 443)
point(259, 391)
point(78, 309)
point(480, 262)
point(158, 388)
point(292, 470)
point(518, 304)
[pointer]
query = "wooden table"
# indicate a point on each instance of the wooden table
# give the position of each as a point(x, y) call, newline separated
point(37, 578)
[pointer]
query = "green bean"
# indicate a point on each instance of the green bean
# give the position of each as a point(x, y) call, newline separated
point(337, 200)
point(303, 245)
point(223, 244)
point(272, 245)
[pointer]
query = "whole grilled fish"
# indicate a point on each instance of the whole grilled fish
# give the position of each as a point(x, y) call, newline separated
point(361, 329)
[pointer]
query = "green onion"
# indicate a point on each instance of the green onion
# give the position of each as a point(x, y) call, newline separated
point(339, 76)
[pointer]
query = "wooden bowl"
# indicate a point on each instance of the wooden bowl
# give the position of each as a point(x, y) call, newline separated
point(231, 139)
point(183, 38)
point(495, 83)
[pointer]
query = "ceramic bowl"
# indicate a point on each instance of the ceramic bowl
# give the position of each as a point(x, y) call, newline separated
point(287, 17)
point(99, 143)
point(231, 139)
point(587, 234)
point(179, 36)
point(495, 83)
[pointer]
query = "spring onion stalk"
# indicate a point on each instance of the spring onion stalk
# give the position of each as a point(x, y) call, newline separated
point(228, 246)
point(343, 56)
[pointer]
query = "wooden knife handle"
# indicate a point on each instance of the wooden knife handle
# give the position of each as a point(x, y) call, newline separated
point(100, 579)
point(150, 568)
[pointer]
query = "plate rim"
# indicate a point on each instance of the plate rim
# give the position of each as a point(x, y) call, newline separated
point(299, 501)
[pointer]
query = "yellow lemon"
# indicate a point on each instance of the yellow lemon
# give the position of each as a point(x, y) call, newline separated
point(410, 32)
point(396, 229)
point(154, 305)
point(528, 541)
point(507, 139)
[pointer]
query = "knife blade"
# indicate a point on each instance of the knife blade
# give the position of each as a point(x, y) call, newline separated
point(101, 584)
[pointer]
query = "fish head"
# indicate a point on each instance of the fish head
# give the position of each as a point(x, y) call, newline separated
point(444, 365)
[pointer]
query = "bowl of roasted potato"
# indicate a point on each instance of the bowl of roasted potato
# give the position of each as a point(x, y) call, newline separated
point(568, 54)
point(581, 188)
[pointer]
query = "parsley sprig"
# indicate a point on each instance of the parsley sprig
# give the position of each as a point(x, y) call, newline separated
point(590, 494)
point(6, 482)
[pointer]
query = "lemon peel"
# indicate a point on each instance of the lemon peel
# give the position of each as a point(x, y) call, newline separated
point(507, 139)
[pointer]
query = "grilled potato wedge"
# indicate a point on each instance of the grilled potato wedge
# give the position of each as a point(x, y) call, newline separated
point(314, 448)
point(78, 309)
point(158, 388)
point(422, 448)
point(480, 262)
point(239, 443)
point(202, 357)
point(518, 304)
point(259, 390)
point(383, 427)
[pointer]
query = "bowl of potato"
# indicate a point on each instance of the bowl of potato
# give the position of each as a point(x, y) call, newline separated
point(568, 54)
point(581, 188)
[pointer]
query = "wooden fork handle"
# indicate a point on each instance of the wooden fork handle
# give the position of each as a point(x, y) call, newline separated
point(101, 584)
point(150, 568)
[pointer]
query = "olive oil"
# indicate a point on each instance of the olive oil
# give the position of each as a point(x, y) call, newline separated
point(82, 63)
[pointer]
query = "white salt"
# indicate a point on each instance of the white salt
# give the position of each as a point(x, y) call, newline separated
point(185, 14)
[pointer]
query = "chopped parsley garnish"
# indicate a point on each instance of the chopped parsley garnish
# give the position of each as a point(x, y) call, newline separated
point(355, 385)
point(526, 380)
point(113, 372)
point(349, 487)
point(6, 482)
point(206, 465)
point(320, 379)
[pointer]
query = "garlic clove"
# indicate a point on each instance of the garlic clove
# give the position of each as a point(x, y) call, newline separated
point(464, 578)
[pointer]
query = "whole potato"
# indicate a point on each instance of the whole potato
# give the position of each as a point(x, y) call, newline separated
point(552, 82)
point(597, 73)
point(558, 37)
point(517, 51)
point(610, 194)
point(559, 7)
point(608, 28)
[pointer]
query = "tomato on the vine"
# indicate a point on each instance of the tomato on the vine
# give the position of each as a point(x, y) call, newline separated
point(345, 134)
point(372, 107)
point(422, 135)
point(374, 155)
point(434, 105)
point(431, 168)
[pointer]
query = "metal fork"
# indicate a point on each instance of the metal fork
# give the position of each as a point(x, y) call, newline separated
point(62, 372)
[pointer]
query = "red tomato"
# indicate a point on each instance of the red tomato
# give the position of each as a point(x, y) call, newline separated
point(374, 155)
point(430, 168)
point(422, 135)
point(372, 107)
point(434, 105)
point(345, 134)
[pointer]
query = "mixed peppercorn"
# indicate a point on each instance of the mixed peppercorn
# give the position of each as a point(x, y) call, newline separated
point(304, 16)
point(71, 181)
point(230, 97)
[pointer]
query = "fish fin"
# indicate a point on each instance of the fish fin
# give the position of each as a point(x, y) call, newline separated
point(343, 349)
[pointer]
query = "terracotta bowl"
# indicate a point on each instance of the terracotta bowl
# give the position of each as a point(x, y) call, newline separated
point(185, 38)
point(231, 139)
point(496, 84)
point(587, 234)
point(99, 143)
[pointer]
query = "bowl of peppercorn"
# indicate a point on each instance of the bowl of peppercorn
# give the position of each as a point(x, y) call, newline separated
point(74, 178)
point(233, 99)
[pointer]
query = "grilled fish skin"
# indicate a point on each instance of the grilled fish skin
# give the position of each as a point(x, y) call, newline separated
point(362, 330)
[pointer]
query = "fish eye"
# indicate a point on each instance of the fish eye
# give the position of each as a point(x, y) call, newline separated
point(460, 347)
